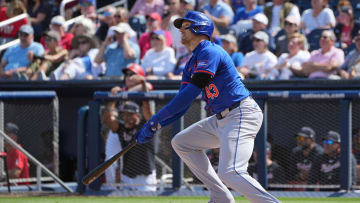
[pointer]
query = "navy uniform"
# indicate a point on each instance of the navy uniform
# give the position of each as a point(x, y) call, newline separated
point(326, 170)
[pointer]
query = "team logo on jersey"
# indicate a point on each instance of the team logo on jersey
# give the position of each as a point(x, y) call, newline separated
point(203, 63)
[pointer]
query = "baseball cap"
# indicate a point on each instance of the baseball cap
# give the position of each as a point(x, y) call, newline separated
point(58, 20)
point(293, 20)
point(11, 128)
point(154, 16)
point(261, 18)
point(121, 28)
point(268, 147)
point(307, 132)
point(333, 135)
point(53, 34)
point(130, 106)
point(262, 36)
point(228, 38)
point(26, 29)
point(136, 68)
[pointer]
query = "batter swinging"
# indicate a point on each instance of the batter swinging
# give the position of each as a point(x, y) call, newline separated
point(233, 127)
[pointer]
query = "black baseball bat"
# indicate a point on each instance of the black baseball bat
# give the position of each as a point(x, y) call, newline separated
point(100, 169)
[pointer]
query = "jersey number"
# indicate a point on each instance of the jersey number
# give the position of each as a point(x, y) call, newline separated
point(211, 91)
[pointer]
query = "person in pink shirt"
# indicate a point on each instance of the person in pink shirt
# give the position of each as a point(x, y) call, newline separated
point(153, 23)
point(324, 61)
point(145, 7)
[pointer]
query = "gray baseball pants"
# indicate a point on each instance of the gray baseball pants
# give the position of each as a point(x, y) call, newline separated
point(234, 135)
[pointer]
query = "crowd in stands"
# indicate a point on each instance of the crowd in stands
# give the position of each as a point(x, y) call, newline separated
point(267, 39)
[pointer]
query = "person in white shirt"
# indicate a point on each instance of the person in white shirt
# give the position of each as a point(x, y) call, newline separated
point(160, 59)
point(319, 16)
point(292, 60)
point(260, 63)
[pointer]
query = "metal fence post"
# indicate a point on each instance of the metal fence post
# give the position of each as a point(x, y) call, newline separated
point(81, 150)
point(345, 145)
point(94, 140)
point(177, 164)
point(261, 147)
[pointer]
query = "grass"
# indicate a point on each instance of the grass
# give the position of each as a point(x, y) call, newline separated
point(75, 199)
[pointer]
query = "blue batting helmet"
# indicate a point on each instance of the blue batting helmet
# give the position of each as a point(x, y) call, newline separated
point(201, 23)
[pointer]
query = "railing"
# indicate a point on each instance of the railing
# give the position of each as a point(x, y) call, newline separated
point(345, 99)
point(7, 22)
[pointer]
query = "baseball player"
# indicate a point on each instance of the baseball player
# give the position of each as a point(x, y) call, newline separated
point(233, 126)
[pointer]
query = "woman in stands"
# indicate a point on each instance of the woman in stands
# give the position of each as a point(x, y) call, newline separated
point(346, 26)
point(317, 17)
point(160, 59)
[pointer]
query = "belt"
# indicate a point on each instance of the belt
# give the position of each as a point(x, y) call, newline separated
point(222, 114)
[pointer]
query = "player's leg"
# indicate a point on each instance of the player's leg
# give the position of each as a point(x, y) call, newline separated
point(237, 134)
point(112, 147)
point(190, 144)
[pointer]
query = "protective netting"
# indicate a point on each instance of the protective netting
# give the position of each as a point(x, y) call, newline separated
point(38, 123)
point(285, 119)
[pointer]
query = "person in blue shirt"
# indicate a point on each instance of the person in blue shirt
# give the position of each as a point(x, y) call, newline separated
point(17, 58)
point(220, 13)
point(229, 44)
point(235, 121)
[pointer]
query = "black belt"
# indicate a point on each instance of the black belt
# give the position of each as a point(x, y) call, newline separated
point(222, 114)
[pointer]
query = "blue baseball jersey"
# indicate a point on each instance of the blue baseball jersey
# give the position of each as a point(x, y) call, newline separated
point(225, 87)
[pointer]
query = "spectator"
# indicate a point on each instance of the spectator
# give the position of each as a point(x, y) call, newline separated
point(324, 61)
point(326, 170)
point(17, 58)
point(294, 59)
point(186, 5)
point(173, 13)
point(82, 64)
point(9, 32)
point(243, 15)
point(351, 67)
point(88, 9)
point(122, 16)
point(346, 25)
point(292, 25)
point(53, 57)
point(153, 23)
point(134, 81)
point(275, 172)
point(17, 162)
point(319, 16)
point(40, 15)
point(220, 13)
point(277, 12)
point(259, 22)
point(118, 51)
point(260, 62)
point(304, 155)
point(168, 24)
point(160, 59)
point(230, 45)
point(146, 7)
point(108, 20)
point(83, 26)
point(58, 25)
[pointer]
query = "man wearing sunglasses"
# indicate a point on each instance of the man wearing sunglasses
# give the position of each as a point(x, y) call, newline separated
point(303, 155)
point(326, 170)
point(17, 58)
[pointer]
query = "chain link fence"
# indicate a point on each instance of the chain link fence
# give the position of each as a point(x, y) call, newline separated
point(285, 118)
point(37, 118)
